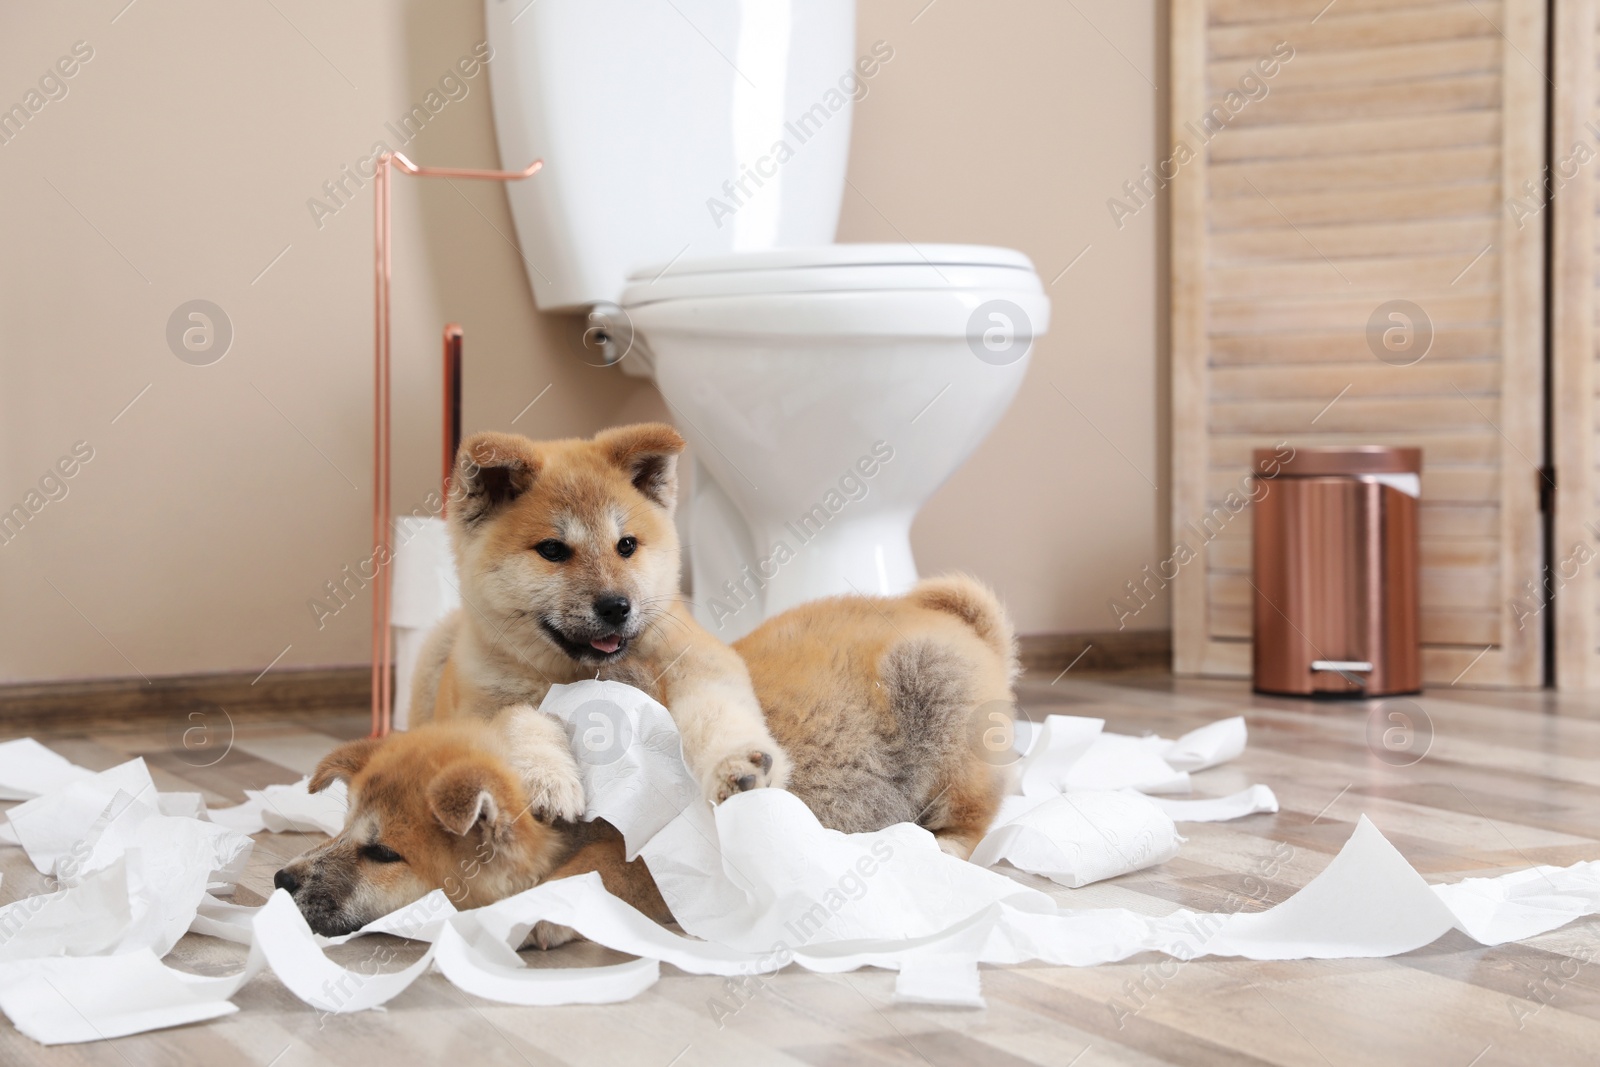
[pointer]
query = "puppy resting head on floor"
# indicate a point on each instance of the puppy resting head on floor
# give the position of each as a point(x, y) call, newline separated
point(434, 808)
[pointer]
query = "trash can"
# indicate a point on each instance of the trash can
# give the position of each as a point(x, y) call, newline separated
point(1336, 600)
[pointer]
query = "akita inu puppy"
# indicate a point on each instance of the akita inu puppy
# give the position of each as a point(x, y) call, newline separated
point(893, 709)
point(439, 808)
point(569, 569)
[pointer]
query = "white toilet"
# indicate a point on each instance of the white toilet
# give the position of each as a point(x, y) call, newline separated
point(695, 158)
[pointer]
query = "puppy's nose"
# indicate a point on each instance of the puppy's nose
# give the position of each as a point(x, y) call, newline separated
point(612, 609)
point(284, 880)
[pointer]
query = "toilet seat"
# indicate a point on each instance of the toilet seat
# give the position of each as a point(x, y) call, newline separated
point(842, 268)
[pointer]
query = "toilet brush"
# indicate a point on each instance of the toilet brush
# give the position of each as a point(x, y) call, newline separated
point(425, 588)
point(451, 421)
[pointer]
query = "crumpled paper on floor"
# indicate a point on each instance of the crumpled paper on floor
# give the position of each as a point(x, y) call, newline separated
point(756, 884)
point(28, 769)
point(1081, 837)
point(1251, 801)
point(62, 999)
point(282, 808)
point(1067, 752)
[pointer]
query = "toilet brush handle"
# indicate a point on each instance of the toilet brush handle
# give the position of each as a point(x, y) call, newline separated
point(451, 393)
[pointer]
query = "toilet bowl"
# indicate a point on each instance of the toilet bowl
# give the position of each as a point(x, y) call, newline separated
point(694, 168)
point(826, 393)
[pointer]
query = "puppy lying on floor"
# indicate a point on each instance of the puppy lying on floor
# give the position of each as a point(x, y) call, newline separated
point(884, 705)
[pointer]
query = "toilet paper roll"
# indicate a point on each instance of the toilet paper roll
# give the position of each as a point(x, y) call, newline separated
point(407, 648)
point(425, 591)
point(425, 588)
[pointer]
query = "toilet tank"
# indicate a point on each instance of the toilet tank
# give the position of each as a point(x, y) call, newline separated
point(670, 129)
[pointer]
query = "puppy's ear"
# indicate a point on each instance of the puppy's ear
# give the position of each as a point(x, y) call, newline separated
point(472, 792)
point(492, 470)
point(648, 454)
point(343, 763)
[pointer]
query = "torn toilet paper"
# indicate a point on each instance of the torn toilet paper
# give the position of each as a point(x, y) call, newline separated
point(28, 769)
point(282, 808)
point(756, 883)
point(1080, 837)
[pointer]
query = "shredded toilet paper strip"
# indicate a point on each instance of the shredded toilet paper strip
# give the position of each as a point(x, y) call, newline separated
point(1258, 798)
point(1081, 837)
point(282, 808)
point(54, 826)
point(28, 769)
point(63, 999)
point(756, 884)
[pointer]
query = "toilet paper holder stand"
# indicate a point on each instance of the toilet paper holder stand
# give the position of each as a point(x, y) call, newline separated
point(382, 507)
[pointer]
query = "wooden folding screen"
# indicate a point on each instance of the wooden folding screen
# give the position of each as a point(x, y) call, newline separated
point(1574, 184)
point(1350, 265)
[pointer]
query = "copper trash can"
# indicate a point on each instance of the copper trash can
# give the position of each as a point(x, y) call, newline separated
point(1336, 601)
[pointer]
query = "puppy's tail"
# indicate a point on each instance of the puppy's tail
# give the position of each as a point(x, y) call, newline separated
point(976, 605)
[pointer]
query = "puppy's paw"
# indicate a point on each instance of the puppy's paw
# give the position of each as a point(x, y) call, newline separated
point(554, 793)
point(536, 748)
point(752, 767)
point(545, 935)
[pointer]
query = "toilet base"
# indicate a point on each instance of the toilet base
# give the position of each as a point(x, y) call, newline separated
point(821, 419)
point(742, 577)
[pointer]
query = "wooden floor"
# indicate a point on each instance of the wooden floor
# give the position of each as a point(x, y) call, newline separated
point(1508, 780)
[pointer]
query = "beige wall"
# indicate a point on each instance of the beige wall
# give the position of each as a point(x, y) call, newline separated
point(179, 165)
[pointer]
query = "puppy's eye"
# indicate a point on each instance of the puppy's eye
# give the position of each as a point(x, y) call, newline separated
point(381, 854)
point(626, 546)
point(554, 551)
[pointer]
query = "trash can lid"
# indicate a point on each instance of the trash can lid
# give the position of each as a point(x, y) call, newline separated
point(1310, 461)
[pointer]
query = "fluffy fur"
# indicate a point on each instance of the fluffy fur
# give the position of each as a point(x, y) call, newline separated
point(550, 537)
point(438, 808)
point(888, 706)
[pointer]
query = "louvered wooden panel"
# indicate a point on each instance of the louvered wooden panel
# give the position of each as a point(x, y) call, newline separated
point(1575, 284)
point(1377, 167)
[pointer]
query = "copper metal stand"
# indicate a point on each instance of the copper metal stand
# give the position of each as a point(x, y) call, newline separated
point(382, 643)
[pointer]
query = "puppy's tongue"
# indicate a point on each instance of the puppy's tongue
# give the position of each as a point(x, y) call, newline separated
point(607, 644)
